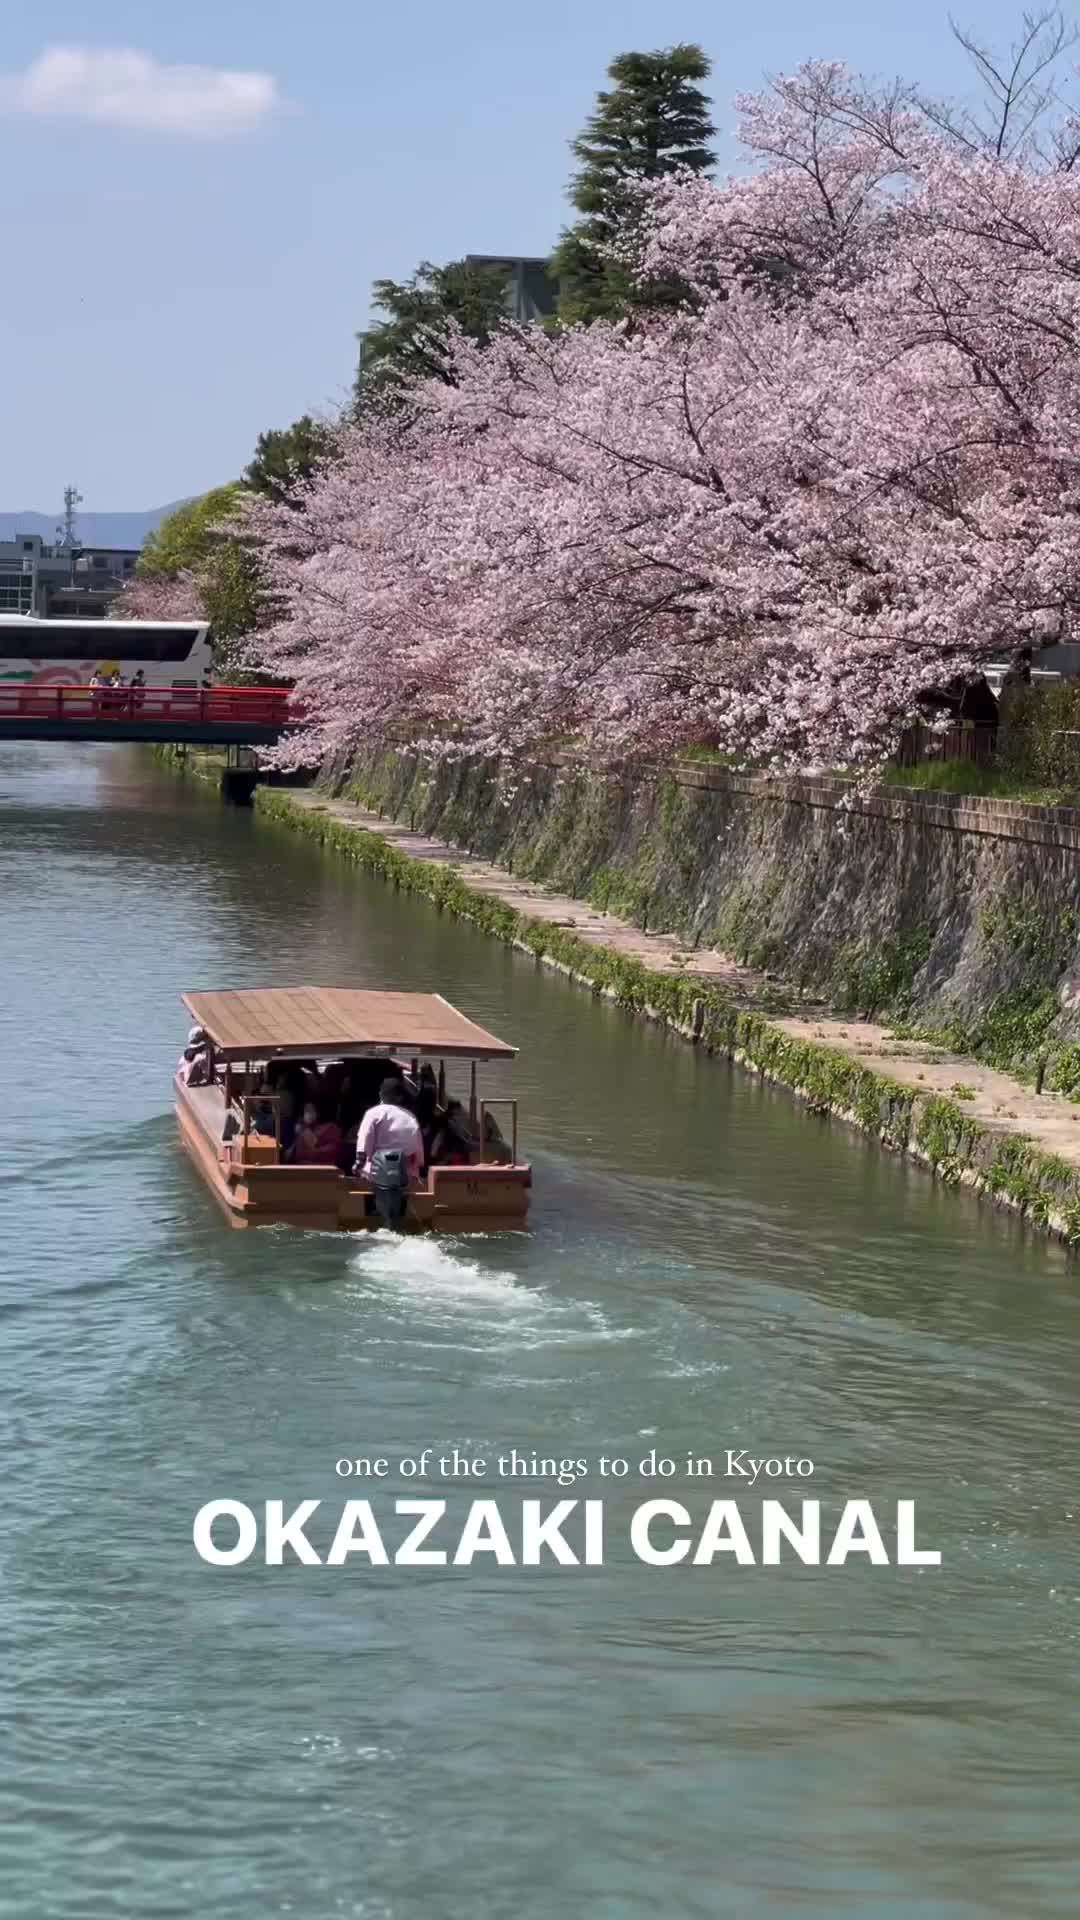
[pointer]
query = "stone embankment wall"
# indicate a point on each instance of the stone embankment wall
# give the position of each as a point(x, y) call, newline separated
point(960, 916)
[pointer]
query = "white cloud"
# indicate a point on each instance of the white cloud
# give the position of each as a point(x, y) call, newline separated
point(119, 87)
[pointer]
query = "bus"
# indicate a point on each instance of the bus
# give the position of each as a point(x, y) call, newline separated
point(39, 652)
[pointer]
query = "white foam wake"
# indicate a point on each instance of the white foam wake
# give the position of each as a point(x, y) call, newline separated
point(432, 1294)
point(428, 1270)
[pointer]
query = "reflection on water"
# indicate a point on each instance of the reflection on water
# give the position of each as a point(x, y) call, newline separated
point(710, 1268)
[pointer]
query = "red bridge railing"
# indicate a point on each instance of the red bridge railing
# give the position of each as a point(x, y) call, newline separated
point(258, 706)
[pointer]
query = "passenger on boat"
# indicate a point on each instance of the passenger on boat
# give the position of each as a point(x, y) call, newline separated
point(262, 1112)
point(495, 1147)
point(390, 1126)
point(318, 1142)
point(193, 1066)
point(451, 1143)
point(365, 1079)
point(281, 1083)
point(427, 1095)
point(260, 1119)
point(429, 1114)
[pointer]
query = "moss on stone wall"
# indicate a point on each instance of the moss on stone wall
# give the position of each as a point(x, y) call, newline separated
point(935, 1130)
point(971, 938)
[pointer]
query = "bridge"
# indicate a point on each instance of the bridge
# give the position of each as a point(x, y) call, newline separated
point(176, 716)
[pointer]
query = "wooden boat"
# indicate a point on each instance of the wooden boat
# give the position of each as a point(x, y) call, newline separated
point(249, 1031)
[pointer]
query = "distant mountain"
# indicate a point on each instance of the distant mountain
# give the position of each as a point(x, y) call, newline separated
point(94, 529)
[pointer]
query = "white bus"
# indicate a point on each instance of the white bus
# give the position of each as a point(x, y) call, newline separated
point(67, 653)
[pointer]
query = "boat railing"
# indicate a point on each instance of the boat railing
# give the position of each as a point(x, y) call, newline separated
point(246, 1104)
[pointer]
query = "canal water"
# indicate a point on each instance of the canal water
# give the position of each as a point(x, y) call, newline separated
point(710, 1269)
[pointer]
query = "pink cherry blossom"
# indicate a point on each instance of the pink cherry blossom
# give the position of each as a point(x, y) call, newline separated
point(844, 474)
point(159, 597)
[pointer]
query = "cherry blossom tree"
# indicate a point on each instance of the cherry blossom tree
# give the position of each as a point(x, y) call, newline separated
point(843, 475)
point(159, 597)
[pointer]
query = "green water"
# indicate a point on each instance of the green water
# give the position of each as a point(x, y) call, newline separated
point(709, 1268)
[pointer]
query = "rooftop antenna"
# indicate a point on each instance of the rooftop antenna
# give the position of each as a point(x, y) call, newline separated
point(66, 535)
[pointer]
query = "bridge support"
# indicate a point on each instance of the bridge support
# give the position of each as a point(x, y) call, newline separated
point(238, 786)
point(239, 776)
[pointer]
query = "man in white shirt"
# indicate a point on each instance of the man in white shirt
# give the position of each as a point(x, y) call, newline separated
point(390, 1126)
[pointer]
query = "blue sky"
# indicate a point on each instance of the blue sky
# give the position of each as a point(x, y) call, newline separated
point(197, 250)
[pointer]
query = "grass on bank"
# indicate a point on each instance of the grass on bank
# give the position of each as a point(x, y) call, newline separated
point(940, 776)
point(933, 776)
point(989, 782)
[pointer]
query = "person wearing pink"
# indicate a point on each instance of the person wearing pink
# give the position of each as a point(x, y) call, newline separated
point(390, 1127)
point(318, 1142)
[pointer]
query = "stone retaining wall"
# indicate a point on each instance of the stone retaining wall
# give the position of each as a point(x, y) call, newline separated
point(950, 812)
point(959, 914)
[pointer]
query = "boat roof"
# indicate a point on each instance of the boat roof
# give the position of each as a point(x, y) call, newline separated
point(304, 1023)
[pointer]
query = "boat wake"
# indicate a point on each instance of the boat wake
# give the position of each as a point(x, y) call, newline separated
point(426, 1268)
point(433, 1294)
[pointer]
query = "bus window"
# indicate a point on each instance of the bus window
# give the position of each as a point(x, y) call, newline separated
point(120, 640)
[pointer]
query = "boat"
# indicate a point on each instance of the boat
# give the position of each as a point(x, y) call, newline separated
point(250, 1031)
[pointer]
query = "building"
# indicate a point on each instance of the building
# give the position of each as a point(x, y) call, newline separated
point(94, 579)
point(62, 581)
point(531, 290)
point(28, 570)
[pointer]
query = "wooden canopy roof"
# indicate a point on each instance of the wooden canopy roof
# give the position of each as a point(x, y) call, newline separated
point(304, 1023)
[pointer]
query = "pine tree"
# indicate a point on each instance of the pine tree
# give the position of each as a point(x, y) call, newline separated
point(653, 120)
point(285, 457)
point(418, 314)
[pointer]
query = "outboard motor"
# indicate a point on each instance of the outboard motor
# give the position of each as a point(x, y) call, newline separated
point(388, 1172)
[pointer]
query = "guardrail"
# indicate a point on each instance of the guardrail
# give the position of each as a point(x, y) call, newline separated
point(259, 706)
